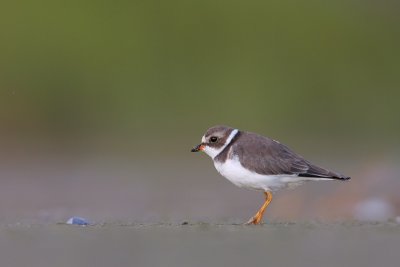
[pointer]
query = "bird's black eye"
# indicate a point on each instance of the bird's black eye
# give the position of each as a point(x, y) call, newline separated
point(213, 139)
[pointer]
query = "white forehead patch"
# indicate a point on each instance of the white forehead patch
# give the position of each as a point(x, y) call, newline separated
point(213, 152)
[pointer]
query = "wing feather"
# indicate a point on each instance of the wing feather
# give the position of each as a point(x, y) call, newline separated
point(269, 157)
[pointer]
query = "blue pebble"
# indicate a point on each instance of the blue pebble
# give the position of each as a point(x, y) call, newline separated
point(77, 221)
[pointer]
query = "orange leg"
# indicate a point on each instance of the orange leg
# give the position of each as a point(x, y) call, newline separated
point(256, 219)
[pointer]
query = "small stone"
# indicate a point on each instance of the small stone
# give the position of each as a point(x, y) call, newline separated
point(77, 221)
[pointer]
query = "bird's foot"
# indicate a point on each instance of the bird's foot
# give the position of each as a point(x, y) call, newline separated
point(256, 219)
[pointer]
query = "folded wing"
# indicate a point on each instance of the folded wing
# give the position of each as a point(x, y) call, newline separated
point(269, 157)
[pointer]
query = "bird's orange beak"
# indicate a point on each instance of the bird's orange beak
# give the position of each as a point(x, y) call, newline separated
point(198, 148)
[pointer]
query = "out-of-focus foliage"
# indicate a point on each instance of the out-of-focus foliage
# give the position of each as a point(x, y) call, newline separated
point(101, 101)
point(321, 68)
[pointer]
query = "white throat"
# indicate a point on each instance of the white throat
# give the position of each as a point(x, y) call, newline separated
point(213, 152)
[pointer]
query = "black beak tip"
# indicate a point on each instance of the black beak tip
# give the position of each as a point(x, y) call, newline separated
point(196, 148)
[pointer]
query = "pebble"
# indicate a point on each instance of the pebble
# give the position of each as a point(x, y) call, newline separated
point(77, 221)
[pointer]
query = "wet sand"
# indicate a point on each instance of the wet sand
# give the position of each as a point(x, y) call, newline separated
point(201, 244)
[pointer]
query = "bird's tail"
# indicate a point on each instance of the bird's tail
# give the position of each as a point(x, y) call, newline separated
point(315, 171)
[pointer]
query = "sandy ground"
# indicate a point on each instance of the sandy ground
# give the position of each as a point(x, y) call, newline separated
point(201, 244)
point(38, 192)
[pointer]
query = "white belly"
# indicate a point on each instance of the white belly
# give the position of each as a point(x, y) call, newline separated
point(242, 177)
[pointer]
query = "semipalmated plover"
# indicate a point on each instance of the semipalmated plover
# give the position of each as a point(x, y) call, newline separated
point(253, 161)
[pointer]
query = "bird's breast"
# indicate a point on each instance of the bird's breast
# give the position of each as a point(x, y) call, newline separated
point(233, 170)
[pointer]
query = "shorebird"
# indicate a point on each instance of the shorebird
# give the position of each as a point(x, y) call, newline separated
point(256, 162)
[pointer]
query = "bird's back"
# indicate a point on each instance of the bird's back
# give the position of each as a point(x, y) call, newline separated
point(266, 156)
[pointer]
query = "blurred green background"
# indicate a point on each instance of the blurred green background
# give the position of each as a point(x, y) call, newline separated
point(100, 103)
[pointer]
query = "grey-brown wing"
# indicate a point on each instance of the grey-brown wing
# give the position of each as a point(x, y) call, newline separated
point(266, 156)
